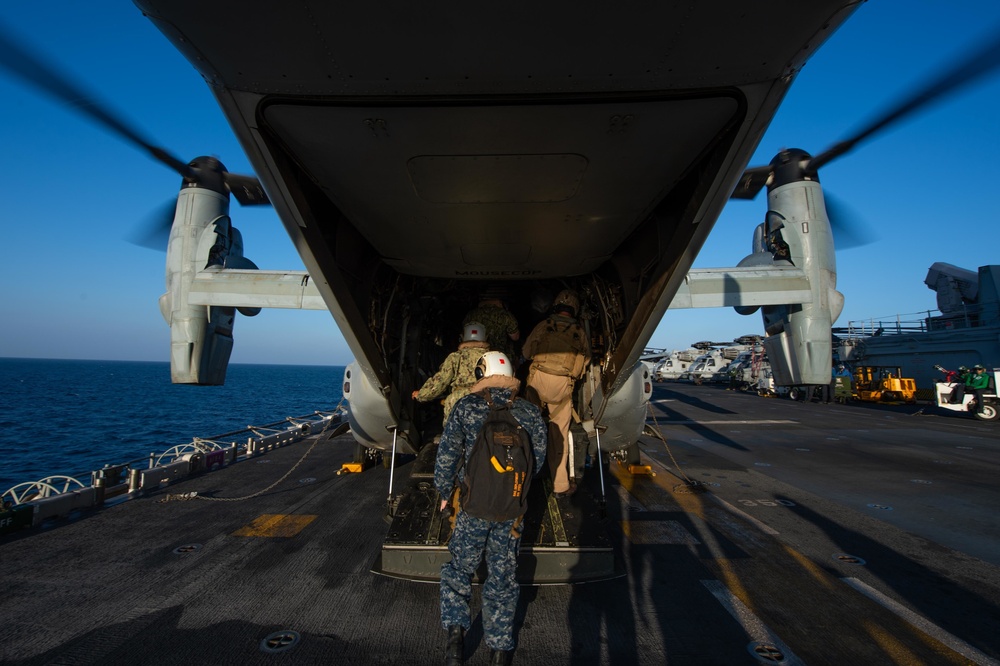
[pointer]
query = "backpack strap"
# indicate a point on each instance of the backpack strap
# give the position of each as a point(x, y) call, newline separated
point(485, 395)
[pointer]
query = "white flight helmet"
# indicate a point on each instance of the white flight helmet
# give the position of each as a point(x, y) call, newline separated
point(474, 332)
point(494, 363)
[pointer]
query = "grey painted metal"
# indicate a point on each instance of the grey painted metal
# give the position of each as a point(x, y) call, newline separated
point(623, 412)
point(799, 343)
point(200, 337)
point(155, 477)
point(742, 286)
point(250, 288)
point(64, 503)
point(369, 413)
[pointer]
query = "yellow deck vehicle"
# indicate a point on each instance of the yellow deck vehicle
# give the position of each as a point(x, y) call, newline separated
point(875, 383)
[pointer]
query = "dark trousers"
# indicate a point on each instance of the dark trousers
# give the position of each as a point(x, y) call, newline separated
point(978, 395)
point(469, 541)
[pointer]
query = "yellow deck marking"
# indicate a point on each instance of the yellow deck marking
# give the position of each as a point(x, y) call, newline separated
point(931, 634)
point(657, 533)
point(821, 577)
point(695, 505)
point(275, 525)
point(892, 647)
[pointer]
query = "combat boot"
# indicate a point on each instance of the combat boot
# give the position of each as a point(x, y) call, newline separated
point(454, 653)
point(501, 657)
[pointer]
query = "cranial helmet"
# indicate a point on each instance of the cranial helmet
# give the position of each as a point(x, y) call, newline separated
point(568, 299)
point(978, 367)
point(474, 332)
point(494, 363)
point(962, 368)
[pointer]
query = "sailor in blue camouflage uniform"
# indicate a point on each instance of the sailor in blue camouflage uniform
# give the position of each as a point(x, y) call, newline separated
point(471, 535)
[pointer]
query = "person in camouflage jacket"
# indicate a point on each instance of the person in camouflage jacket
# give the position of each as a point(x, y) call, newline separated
point(501, 326)
point(458, 370)
point(472, 536)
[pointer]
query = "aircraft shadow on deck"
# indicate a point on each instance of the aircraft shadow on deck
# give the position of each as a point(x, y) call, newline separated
point(660, 609)
point(666, 415)
point(958, 611)
point(694, 401)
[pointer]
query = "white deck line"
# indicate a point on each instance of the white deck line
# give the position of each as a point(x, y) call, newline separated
point(752, 625)
point(922, 623)
point(763, 527)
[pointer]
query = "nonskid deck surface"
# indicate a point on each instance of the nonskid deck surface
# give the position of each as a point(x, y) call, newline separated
point(779, 562)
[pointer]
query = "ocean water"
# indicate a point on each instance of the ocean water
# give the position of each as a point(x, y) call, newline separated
point(70, 417)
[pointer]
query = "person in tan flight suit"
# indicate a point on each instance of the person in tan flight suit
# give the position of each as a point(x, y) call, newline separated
point(559, 352)
point(458, 372)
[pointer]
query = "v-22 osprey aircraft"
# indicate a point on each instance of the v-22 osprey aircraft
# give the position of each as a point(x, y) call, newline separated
point(421, 155)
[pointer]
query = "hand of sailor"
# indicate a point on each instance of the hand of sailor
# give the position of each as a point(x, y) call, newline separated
point(414, 394)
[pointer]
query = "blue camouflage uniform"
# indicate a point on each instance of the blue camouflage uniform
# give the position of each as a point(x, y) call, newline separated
point(472, 535)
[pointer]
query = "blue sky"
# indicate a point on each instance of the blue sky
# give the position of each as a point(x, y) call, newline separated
point(75, 288)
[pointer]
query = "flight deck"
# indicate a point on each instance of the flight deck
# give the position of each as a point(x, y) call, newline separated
point(771, 532)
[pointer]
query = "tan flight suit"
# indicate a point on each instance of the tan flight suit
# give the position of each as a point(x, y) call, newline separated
point(559, 353)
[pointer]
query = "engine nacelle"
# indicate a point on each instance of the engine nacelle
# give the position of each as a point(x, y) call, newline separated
point(201, 337)
point(370, 414)
point(797, 231)
point(624, 413)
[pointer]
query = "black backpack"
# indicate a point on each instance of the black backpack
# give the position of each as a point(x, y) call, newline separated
point(499, 469)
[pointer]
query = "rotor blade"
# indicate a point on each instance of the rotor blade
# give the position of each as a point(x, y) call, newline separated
point(247, 190)
point(977, 64)
point(751, 182)
point(849, 230)
point(154, 231)
point(20, 62)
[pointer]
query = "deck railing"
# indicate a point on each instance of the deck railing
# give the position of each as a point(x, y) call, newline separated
point(32, 502)
point(970, 316)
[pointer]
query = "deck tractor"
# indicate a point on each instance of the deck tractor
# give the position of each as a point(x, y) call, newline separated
point(991, 404)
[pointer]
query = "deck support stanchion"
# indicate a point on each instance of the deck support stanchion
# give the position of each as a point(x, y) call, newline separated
point(392, 469)
point(600, 470)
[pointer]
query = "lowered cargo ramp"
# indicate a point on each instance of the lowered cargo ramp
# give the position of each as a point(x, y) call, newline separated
point(565, 539)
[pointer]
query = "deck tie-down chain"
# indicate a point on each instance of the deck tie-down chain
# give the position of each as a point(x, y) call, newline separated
point(195, 495)
point(689, 485)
